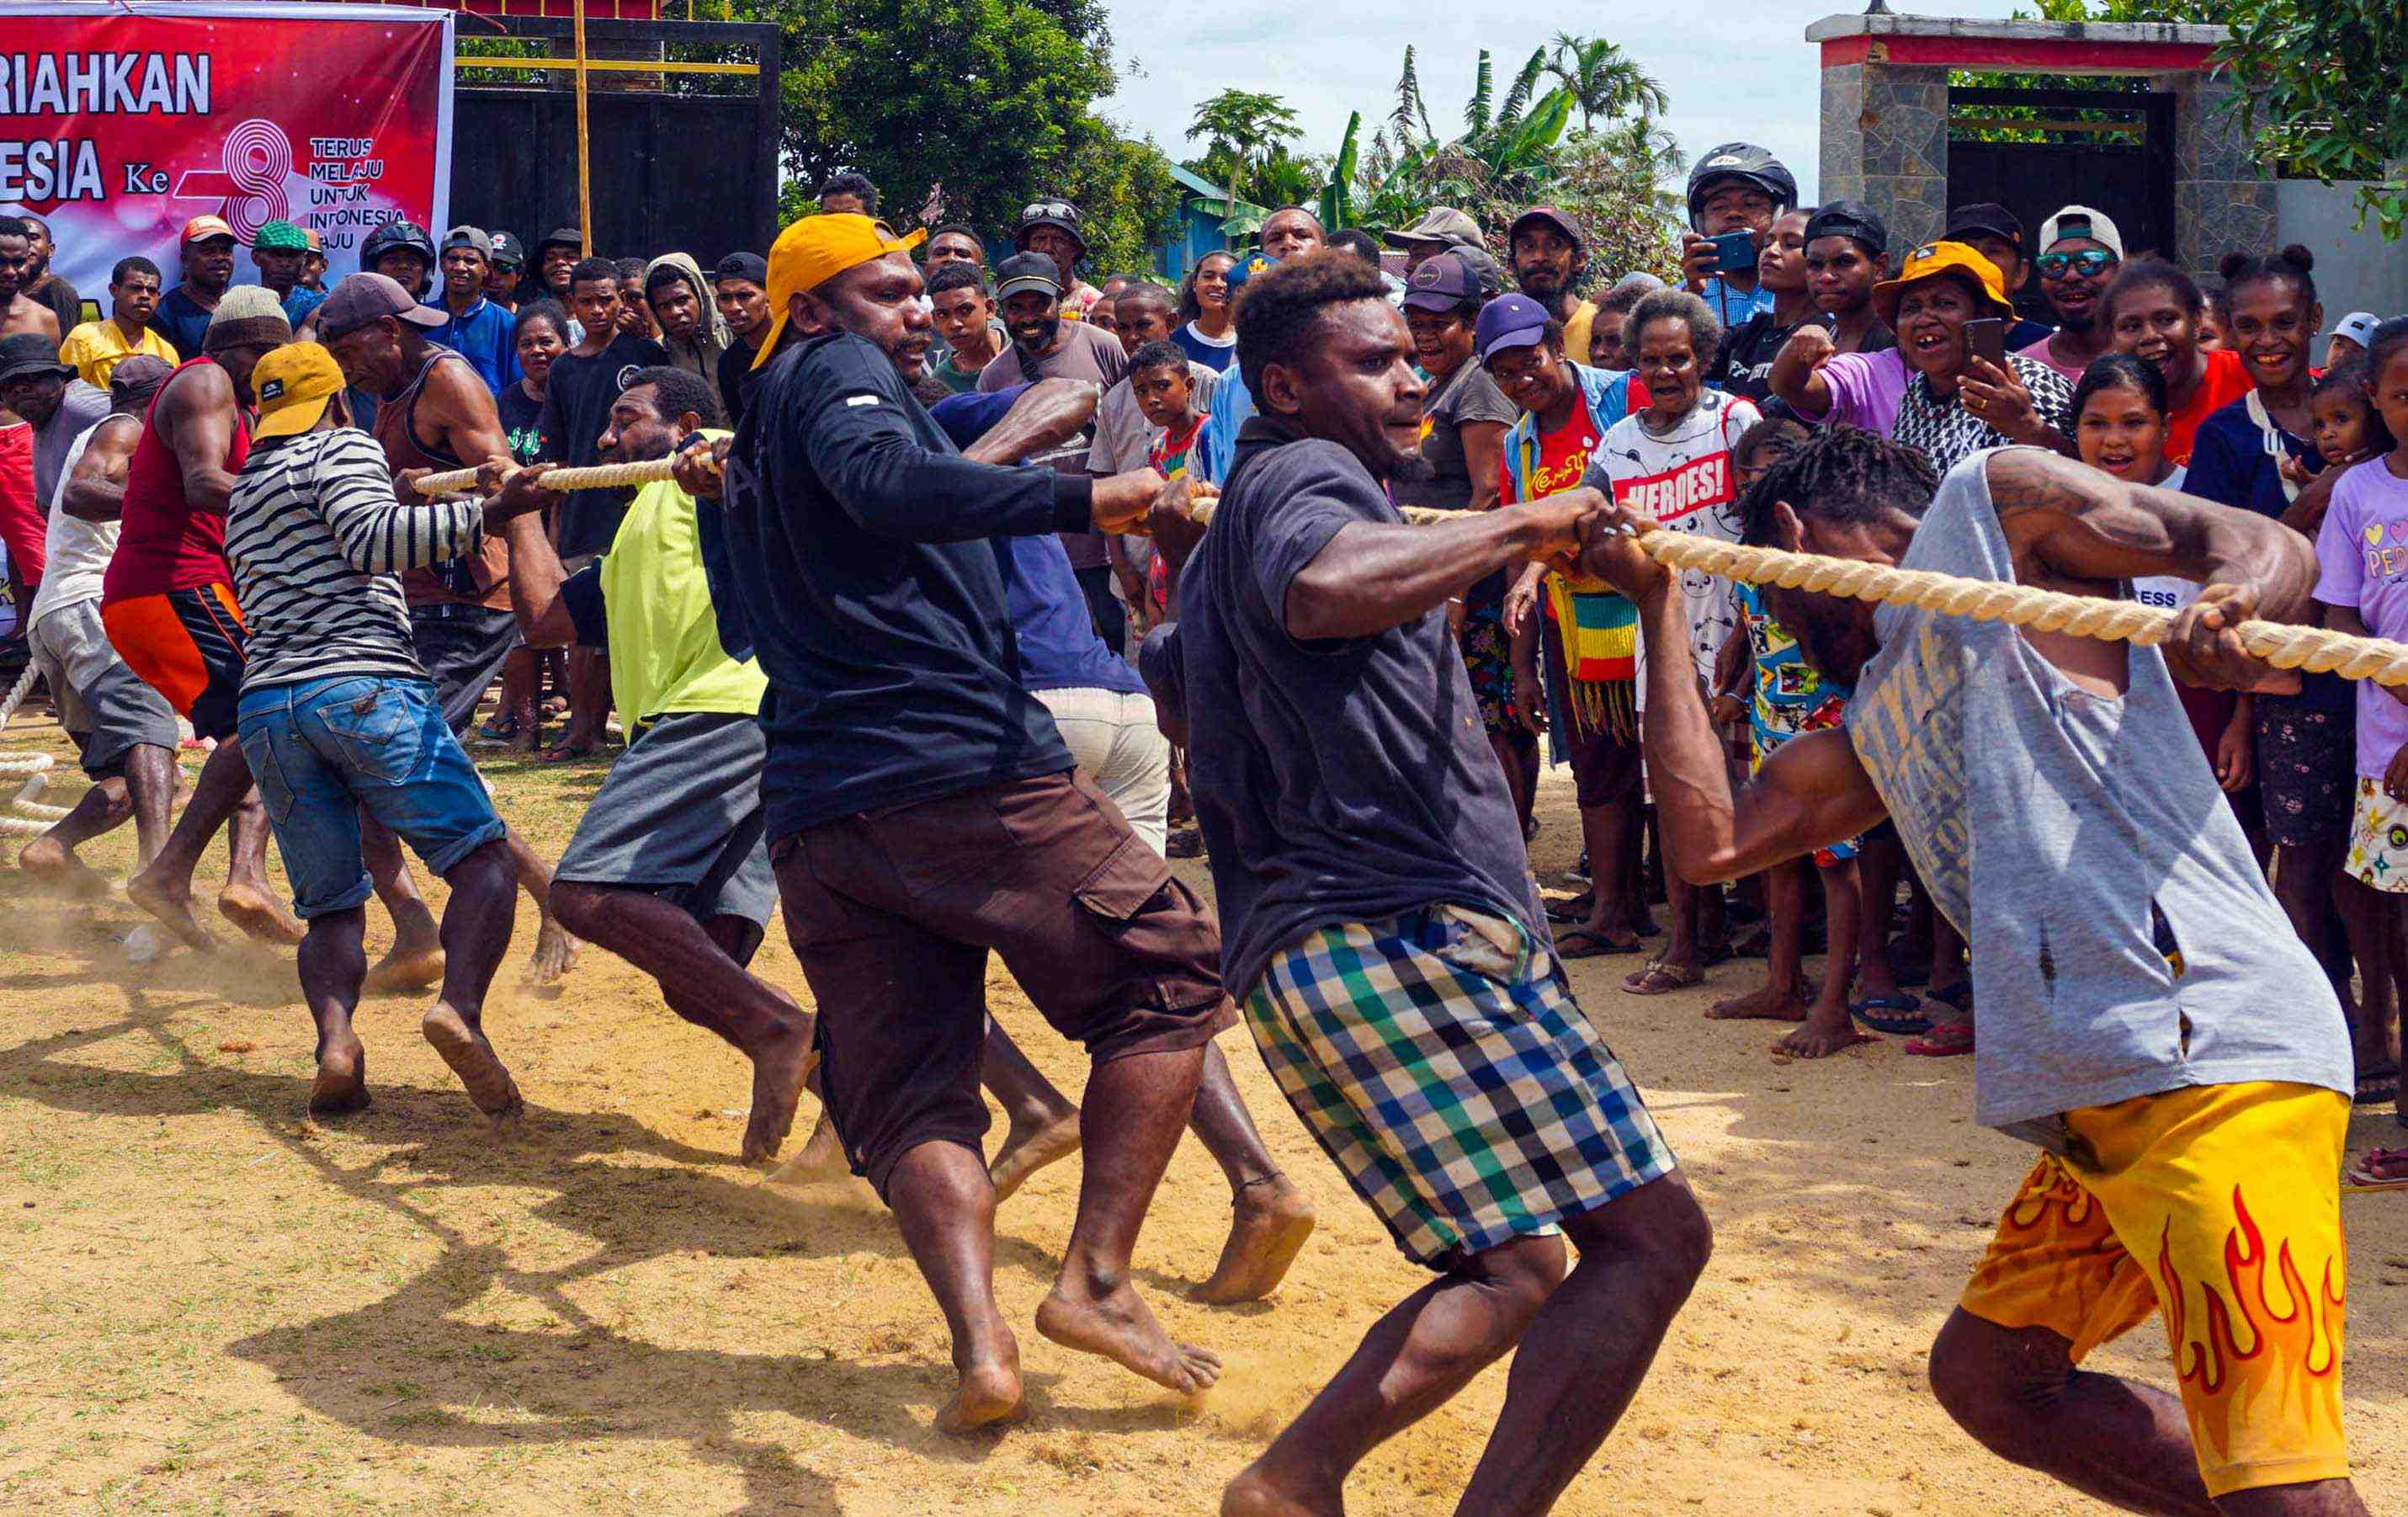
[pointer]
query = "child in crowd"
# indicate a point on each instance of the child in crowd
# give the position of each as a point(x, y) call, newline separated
point(1157, 377)
point(2342, 405)
point(1788, 697)
point(2363, 555)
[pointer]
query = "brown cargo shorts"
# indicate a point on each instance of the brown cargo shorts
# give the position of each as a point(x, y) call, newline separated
point(893, 914)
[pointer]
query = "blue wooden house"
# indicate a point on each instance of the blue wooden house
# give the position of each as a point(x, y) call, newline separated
point(1203, 207)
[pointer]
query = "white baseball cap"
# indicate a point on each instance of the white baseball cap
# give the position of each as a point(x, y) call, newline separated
point(2358, 326)
point(2081, 221)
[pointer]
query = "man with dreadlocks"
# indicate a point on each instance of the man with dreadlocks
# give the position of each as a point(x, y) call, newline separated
point(2148, 1019)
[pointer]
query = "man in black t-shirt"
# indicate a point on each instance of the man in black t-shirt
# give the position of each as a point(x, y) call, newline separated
point(584, 383)
point(740, 288)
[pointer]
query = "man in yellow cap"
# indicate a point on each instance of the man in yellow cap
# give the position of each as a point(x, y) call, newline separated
point(337, 716)
point(923, 812)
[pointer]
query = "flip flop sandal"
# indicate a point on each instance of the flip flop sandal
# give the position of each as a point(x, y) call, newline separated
point(1946, 1040)
point(1660, 979)
point(1570, 911)
point(2361, 1176)
point(562, 753)
point(2377, 1084)
point(1959, 995)
point(1593, 945)
point(1902, 1014)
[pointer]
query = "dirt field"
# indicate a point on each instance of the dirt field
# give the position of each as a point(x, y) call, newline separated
point(215, 1302)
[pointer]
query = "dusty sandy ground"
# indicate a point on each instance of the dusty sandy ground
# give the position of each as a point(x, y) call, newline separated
point(215, 1302)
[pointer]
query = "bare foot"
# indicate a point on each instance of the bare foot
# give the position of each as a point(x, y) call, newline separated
point(463, 1046)
point(171, 901)
point(1826, 1033)
point(1766, 1003)
point(406, 968)
point(1255, 1494)
point(1027, 1151)
point(821, 1158)
point(780, 1067)
point(1273, 1219)
point(988, 1395)
point(57, 867)
point(259, 914)
point(554, 951)
point(342, 1083)
point(1119, 1326)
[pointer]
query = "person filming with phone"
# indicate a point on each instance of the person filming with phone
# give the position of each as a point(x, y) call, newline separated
point(1964, 391)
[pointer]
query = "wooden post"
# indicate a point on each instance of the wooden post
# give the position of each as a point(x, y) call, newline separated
point(584, 181)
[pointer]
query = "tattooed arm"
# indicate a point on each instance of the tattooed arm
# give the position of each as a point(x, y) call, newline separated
point(2074, 529)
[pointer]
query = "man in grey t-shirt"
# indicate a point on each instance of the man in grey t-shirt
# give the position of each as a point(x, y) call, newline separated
point(2145, 1013)
point(1380, 924)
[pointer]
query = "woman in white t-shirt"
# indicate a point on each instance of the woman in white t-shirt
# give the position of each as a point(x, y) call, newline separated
point(1672, 461)
point(1208, 330)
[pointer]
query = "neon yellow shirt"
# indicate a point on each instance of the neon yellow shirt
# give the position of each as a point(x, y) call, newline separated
point(96, 348)
point(665, 652)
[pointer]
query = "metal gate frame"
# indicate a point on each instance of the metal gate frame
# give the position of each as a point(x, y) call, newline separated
point(2157, 110)
point(765, 40)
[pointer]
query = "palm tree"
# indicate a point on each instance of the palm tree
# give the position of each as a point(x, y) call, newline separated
point(1603, 81)
point(1244, 132)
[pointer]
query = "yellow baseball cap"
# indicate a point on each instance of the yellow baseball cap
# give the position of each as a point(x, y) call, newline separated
point(816, 250)
point(292, 384)
point(1933, 258)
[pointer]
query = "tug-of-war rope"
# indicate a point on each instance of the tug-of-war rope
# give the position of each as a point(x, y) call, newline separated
point(2314, 649)
point(31, 818)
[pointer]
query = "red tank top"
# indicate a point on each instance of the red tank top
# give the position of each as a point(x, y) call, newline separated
point(163, 544)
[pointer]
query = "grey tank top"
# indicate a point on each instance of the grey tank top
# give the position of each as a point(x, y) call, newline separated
point(2068, 836)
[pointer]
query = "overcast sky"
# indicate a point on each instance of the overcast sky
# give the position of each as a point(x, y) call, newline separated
point(1740, 69)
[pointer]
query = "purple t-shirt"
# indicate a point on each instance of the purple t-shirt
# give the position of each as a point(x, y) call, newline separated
point(1866, 389)
point(2362, 552)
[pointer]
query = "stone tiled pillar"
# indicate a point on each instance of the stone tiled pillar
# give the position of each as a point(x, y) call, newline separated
point(1886, 142)
point(2223, 202)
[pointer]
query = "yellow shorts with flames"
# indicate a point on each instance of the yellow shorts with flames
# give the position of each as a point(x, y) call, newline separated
point(2218, 1208)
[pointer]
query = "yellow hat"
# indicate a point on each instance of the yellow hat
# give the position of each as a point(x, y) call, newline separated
point(816, 250)
point(292, 384)
point(1941, 258)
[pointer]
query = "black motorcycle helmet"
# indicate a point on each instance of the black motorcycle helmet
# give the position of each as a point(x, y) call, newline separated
point(398, 233)
point(1746, 162)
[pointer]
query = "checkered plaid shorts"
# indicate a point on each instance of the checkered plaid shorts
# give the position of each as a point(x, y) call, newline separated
point(1440, 1059)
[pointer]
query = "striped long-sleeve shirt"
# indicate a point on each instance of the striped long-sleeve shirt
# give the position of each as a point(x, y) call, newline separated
point(316, 538)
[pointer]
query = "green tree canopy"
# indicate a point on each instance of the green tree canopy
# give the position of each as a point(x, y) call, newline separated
point(991, 100)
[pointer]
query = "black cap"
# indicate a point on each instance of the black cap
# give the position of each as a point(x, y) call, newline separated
point(1850, 219)
point(31, 354)
point(1988, 218)
point(567, 235)
point(1026, 272)
point(750, 265)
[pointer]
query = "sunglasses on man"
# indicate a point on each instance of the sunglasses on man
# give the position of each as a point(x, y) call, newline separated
point(2089, 261)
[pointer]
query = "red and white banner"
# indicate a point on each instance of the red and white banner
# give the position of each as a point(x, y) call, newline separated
point(121, 120)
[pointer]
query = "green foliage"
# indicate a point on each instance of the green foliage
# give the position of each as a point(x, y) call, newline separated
point(989, 101)
point(1603, 81)
point(1519, 151)
point(2329, 102)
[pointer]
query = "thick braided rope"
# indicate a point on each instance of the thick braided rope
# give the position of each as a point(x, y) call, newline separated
point(599, 477)
point(35, 767)
point(2314, 649)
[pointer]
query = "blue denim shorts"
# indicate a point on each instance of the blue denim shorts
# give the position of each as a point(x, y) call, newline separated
point(322, 750)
